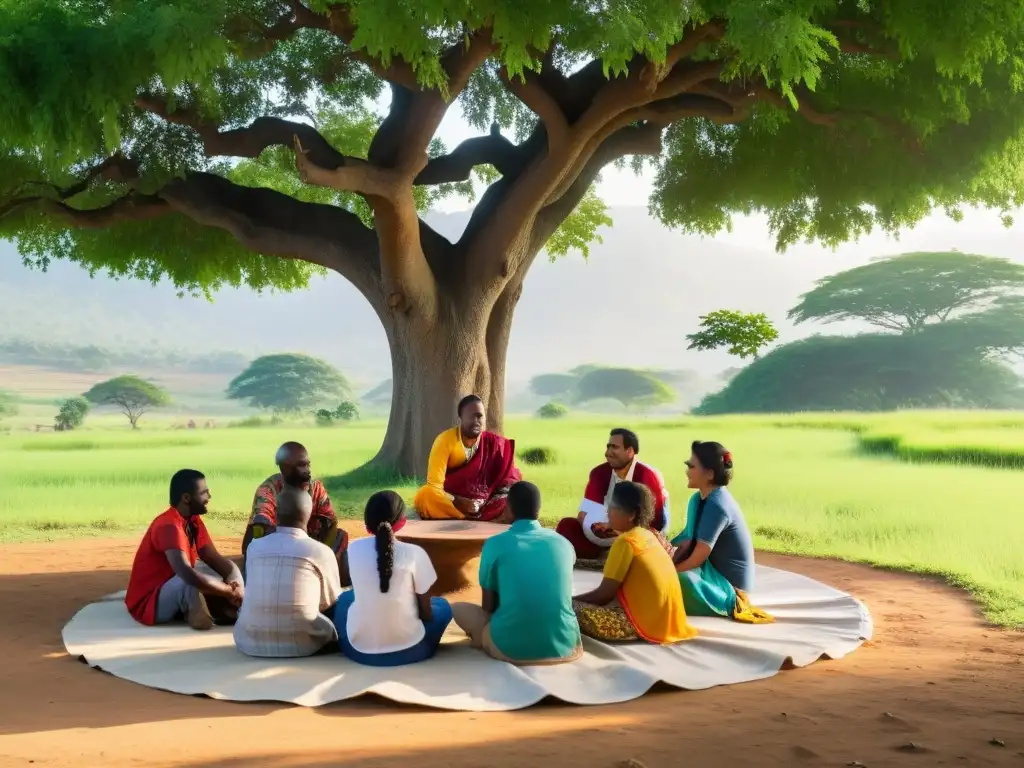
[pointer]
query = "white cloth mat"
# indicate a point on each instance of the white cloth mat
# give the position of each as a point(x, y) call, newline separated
point(811, 620)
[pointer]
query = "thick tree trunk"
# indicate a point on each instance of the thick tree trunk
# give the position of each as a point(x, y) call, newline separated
point(434, 366)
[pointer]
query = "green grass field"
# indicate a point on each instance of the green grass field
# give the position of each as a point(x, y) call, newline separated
point(936, 493)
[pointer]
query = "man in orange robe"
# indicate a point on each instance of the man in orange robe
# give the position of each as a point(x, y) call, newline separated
point(469, 471)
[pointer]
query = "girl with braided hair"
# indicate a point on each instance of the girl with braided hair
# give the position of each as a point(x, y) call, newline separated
point(387, 619)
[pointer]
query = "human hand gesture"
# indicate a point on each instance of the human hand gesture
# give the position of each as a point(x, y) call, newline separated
point(467, 507)
point(237, 593)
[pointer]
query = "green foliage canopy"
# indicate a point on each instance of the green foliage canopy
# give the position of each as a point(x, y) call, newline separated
point(553, 384)
point(286, 383)
point(132, 395)
point(634, 389)
point(834, 117)
point(742, 333)
point(552, 411)
point(904, 293)
point(346, 411)
point(72, 413)
point(868, 372)
point(960, 316)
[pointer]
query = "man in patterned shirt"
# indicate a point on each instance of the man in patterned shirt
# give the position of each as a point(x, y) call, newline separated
point(293, 462)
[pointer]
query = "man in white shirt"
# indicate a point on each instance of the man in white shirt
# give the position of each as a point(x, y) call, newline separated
point(291, 580)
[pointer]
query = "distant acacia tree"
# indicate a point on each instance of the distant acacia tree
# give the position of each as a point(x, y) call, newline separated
point(72, 414)
point(905, 293)
point(634, 389)
point(553, 384)
point(288, 383)
point(742, 334)
point(134, 396)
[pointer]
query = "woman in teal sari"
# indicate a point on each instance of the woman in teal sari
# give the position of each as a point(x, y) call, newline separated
point(715, 553)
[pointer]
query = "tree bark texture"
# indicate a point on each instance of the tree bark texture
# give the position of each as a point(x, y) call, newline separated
point(446, 307)
point(445, 343)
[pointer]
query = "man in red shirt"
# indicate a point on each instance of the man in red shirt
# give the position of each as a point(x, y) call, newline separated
point(589, 532)
point(164, 584)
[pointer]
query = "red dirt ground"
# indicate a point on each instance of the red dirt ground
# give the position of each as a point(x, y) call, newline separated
point(934, 677)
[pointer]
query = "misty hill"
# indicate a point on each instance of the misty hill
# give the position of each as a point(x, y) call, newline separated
point(630, 304)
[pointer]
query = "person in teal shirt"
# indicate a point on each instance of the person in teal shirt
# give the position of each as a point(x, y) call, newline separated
point(526, 578)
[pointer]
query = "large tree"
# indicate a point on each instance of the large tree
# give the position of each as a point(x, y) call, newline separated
point(907, 292)
point(213, 142)
point(289, 382)
point(130, 394)
point(634, 389)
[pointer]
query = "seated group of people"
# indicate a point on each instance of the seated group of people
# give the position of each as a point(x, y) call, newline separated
point(289, 597)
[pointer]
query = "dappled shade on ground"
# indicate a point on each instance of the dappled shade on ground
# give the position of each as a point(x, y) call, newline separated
point(949, 684)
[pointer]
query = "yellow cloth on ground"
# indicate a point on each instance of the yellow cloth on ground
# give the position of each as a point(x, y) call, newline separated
point(604, 622)
point(649, 593)
point(749, 614)
point(448, 452)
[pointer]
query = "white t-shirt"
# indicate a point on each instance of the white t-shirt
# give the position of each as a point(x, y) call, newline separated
point(389, 621)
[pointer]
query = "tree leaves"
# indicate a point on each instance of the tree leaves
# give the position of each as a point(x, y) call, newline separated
point(580, 228)
point(848, 141)
point(742, 333)
point(288, 383)
point(632, 388)
point(904, 293)
point(132, 395)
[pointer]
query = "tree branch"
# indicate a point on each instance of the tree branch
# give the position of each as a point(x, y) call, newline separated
point(298, 17)
point(353, 175)
point(805, 107)
point(404, 135)
point(276, 224)
point(530, 90)
point(642, 139)
point(399, 71)
point(688, 45)
point(116, 168)
point(463, 59)
point(493, 149)
point(848, 30)
point(251, 140)
point(131, 207)
point(654, 117)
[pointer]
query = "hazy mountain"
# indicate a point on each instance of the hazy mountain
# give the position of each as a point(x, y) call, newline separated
point(630, 304)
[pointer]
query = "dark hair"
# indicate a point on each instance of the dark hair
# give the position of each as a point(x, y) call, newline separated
point(637, 499)
point(383, 510)
point(524, 501)
point(468, 400)
point(183, 482)
point(629, 438)
point(715, 457)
